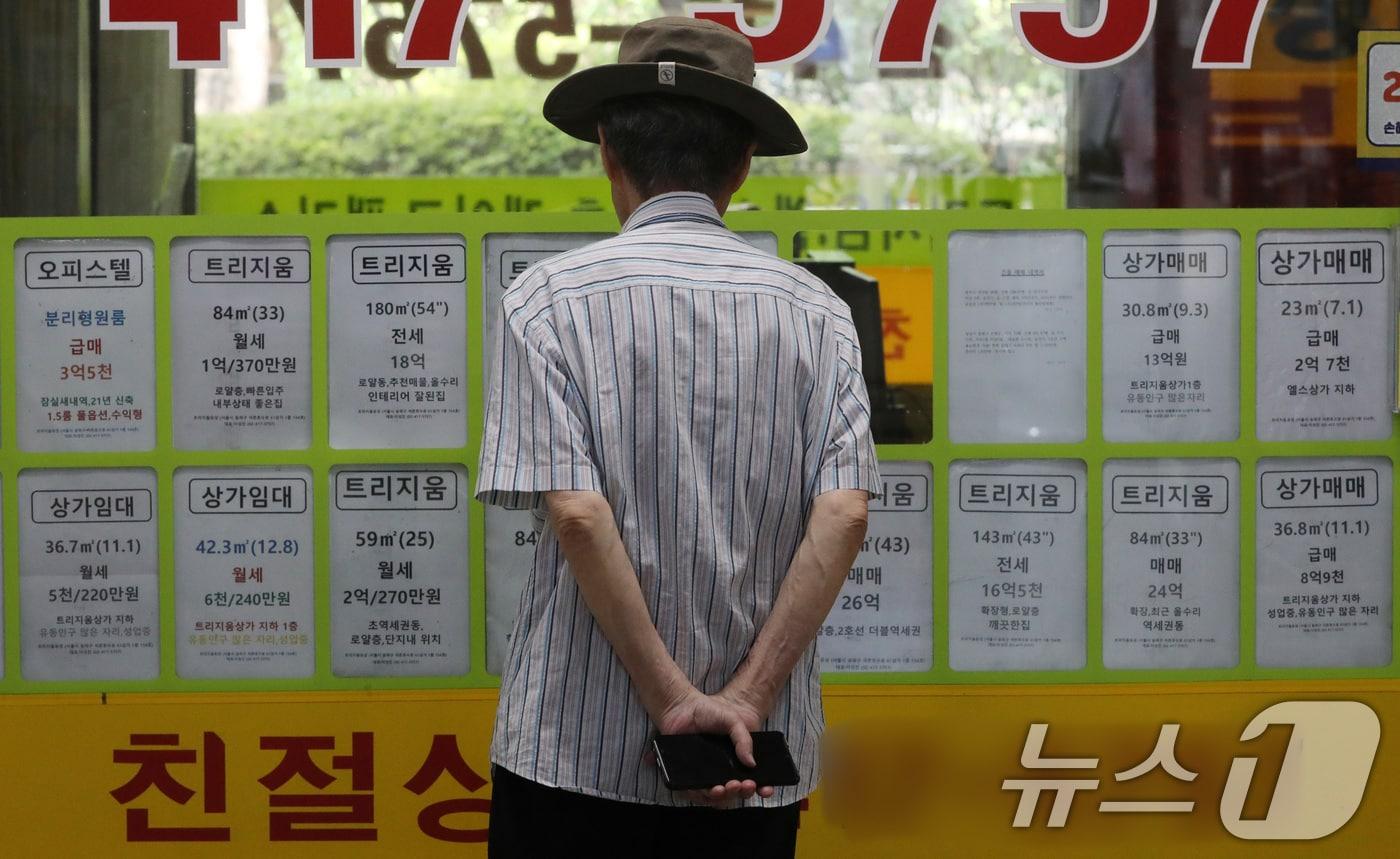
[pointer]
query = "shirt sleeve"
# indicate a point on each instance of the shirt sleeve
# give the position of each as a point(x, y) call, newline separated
point(848, 459)
point(536, 437)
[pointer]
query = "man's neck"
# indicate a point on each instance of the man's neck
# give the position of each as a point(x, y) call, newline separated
point(627, 199)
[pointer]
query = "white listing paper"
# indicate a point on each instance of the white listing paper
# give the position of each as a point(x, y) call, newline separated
point(1171, 335)
point(399, 571)
point(1016, 575)
point(1323, 562)
point(398, 343)
point(1323, 323)
point(243, 572)
point(1017, 336)
point(88, 571)
point(85, 334)
point(883, 618)
point(241, 327)
point(1171, 568)
point(511, 537)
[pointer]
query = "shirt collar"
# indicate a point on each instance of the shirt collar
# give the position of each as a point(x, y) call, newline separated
point(677, 206)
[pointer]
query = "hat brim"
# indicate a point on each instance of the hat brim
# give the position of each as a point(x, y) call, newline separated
point(575, 104)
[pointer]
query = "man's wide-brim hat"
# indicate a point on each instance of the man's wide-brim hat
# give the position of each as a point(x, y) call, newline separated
point(687, 57)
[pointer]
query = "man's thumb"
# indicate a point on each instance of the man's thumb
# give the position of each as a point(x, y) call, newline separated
point(743, 744)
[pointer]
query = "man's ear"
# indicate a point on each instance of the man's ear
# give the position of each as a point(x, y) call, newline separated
point(610, 168)
point(742, 174)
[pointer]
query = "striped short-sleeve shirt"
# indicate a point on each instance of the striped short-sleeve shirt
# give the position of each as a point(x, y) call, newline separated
point(710, 392)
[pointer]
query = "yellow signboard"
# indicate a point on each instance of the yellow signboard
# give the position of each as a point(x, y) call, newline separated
point(1209, 769)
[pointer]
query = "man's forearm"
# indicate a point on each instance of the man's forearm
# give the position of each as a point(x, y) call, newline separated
point(835, 531)
point(583, 523)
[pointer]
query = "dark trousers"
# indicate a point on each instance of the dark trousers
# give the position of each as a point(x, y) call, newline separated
point(532, 821)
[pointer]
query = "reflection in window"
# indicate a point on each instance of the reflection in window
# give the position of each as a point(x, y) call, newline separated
point(983, 125)
point(1154, 132)
point(887, 280)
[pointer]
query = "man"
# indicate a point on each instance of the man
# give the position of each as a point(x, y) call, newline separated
point(687, 417)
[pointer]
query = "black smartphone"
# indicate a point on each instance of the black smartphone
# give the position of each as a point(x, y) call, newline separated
point(701, 761)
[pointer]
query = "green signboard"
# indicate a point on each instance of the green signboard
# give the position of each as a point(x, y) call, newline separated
point(450, 195)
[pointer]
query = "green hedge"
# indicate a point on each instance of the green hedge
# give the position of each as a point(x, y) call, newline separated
point(458, 135)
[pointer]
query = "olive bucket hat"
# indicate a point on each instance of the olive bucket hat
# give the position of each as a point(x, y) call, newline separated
point(688, 57)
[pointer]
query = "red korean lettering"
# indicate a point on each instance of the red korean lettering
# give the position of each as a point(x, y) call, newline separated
point(434, 29)
point(798, 27)
point(320, 816)
point(153, 755)
point(1121, 28)
point(445, 758)
point(1227, 36)
point(893, 333)
point(197, 30)
point(332, 33)
point(905, 39)
point(1392, 90)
